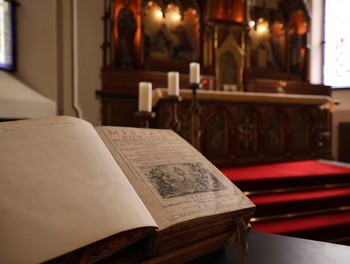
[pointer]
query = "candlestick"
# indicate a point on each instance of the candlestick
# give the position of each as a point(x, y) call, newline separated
point(145, 97)
point(194, 72)
point(174, 122)
point(145, 118)
point(173, 83)
point(195, 111)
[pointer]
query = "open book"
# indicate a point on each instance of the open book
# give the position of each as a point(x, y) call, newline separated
point(66, 186)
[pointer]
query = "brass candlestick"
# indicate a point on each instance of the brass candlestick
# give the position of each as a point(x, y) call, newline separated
point(174, 122)
point(145, 117)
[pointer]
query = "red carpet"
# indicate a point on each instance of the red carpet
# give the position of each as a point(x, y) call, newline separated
point(299, 196)
point(285, 169)
point(308, 199)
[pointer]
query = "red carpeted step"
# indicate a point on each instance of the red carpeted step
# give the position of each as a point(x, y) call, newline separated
point(299, 196)
point(303, 202)
point(287, 175)
point(302, 223)
point(283, 170)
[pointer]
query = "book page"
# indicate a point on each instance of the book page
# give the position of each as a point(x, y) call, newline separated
point(173, 179)
point(60, 189)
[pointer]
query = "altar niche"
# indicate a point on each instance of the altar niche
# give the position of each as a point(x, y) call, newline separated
point(229, 61)
point(277, 38)
point(122, 34)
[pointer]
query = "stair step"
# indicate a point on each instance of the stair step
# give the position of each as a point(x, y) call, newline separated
point(297, 189)
point(307, 199)
point(287, 175)
point(306, 223)
point(292, 169)
point(285, 184)
point(294, 203)
point(299, 196)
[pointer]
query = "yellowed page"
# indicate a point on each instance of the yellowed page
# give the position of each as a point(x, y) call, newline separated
point(60, 189)
point(172, 178)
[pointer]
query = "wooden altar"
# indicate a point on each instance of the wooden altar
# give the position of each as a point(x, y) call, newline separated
point(240, 128)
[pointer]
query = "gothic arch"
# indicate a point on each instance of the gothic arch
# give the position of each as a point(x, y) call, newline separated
point(229, 61)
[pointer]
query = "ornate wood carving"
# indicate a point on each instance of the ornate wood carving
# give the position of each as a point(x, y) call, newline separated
point(229, 64)
point(276, 123)
point(238, 132)
point(242, 133)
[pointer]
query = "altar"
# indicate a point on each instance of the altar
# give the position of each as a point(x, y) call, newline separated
point(238, 128)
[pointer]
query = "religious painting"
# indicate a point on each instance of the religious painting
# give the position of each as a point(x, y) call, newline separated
point(126, 33)
point(175, 180)
point(278, 37)
point(268, 39)
point(298, 28)
point(278, 45)
point(170, 32)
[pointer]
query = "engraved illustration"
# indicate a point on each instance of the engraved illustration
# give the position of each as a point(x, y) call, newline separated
point(174, 180)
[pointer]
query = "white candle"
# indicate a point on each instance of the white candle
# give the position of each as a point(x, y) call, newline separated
point(145, 97)
point(194, 72)
point(173, 83)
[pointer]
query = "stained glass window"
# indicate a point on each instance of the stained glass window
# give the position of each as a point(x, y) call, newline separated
point(7, 60)
point(336, 70)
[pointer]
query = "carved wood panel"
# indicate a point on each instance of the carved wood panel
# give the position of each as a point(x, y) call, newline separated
point(251, 133)
point(239, 133)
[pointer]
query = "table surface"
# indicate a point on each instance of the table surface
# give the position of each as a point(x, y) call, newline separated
point(326, 101)
point(266, 248)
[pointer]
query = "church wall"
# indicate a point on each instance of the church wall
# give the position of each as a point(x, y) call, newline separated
point(59, 52)
point(89, 56)
point(36, 41)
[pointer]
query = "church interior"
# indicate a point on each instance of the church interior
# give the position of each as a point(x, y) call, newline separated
point(241, 80)
point(248, 108)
